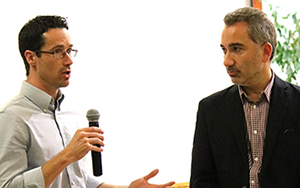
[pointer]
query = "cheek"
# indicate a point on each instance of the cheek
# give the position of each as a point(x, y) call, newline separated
point(248, 60)
point(251, 67)
point(47, 69)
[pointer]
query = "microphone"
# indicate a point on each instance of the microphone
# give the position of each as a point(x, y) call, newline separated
point(93, 116)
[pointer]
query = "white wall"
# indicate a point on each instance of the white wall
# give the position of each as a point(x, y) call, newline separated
point(143, 64)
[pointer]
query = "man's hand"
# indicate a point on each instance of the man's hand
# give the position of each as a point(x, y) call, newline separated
point(83, 141)
point(143, 182)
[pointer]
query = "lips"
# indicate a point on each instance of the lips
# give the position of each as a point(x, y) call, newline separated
point(232, 71)
point(67, 74)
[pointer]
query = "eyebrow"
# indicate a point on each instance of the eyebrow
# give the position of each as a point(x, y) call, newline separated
point(232, 45)
point(60, 46)
point(235, 44)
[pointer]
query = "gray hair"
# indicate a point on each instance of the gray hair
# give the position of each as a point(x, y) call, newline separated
point(260, 29)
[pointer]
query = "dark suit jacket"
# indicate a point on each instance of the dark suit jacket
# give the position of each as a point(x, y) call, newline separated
point(219, 156)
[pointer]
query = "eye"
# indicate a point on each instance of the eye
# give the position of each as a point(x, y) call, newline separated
point(58, 51)
point(69, 50)
point(235, 49)
point(224, 50)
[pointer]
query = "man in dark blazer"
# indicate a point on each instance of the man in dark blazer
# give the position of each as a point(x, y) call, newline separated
point(248, 135)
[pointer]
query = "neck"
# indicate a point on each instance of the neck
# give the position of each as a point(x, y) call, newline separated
point(44, 87)
point(254, 91)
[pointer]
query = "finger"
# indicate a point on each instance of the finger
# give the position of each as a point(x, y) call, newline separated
point(151, 174)
point(93, 129)
point(95, 141)
point(94, 135)
point(96, 148)
point(89, 133)
point(166, 184)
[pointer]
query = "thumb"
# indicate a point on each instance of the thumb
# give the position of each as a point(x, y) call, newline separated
point(151, 174)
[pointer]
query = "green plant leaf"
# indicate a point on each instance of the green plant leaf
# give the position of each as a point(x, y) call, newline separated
point(295, 20)
point(286, 17)
point(287, 54)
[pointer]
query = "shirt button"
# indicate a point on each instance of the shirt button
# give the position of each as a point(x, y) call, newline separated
point(72, 183)
point(254, 106)
point(255, 159)
point(252, 181)
point(255, 131)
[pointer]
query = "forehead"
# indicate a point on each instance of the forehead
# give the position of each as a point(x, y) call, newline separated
point(57, 37)
point(237, 33)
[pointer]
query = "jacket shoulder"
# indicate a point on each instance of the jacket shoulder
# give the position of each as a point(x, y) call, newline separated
point(221, 95)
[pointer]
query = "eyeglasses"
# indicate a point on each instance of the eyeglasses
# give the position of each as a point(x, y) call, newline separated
point(59, 53)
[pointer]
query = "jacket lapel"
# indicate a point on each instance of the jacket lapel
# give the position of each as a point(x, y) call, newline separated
point(280, 99)
point(237, 120)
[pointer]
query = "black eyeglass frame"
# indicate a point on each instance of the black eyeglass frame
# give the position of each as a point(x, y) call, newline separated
point(63, 54)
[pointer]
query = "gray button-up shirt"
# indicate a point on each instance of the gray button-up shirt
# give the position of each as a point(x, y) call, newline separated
point(33, 129)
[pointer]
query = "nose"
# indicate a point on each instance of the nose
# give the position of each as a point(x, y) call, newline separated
point(228, 60)
point(68, 59)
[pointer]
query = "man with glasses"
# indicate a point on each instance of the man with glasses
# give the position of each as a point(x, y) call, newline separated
point(39, 146)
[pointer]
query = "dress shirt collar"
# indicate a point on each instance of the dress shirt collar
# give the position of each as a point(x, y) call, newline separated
point(41, 99)
point(266, 92)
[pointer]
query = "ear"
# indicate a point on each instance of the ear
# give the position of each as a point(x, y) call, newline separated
point(267, 51)
point(30, 57)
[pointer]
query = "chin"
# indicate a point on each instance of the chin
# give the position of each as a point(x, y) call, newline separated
point(236, 80)
point(64, 84)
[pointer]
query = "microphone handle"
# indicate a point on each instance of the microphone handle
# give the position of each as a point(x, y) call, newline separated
point(96, 156)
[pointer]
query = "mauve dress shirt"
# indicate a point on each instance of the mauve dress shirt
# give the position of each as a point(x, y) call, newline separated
point(256, 115)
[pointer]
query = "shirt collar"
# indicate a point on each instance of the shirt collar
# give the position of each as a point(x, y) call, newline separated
point(41, 99)
point(266, 92)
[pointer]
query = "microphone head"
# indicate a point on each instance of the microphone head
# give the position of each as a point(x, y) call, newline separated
point(92, 115)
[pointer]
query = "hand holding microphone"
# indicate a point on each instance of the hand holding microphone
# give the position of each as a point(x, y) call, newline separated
point(83, 141)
